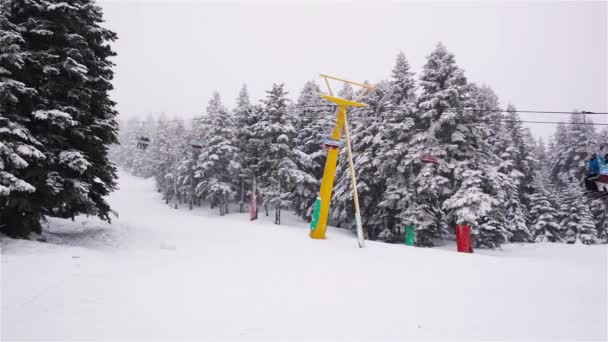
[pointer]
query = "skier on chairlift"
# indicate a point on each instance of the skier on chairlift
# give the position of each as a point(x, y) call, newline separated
point(593, 170)
point(597, 167)
point(602, 179)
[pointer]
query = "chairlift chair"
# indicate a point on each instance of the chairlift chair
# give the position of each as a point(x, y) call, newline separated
point(429, 159)
point(196, 145)
point(329, 143)
point(601, 182)
point(143, 142)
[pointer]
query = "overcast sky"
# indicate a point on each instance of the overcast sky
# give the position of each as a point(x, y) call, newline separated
point(537, 55)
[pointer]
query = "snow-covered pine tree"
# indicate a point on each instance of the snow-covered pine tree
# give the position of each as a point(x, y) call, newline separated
point(577, 219)
point(443, 88)
point(252, 152)
point(523, 142)
point(156, 150)
point(485, 103)
point(545, 190)
point(275, 135)
point(396, 136)
point(169, 149)
point(570, 150)
point(347, 92)
point(242, 117)
point(541, 158)
point(218, 167)
point(573, 147)
point(465, 186)
point(313, 124)
point(599, 210)
point(20, 151)
point(515, 164)
point(183, 170)
point(72, 116)
point(544, 219)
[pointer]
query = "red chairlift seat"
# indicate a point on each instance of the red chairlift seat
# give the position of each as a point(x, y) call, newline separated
point(429, 159)
point(331, 143)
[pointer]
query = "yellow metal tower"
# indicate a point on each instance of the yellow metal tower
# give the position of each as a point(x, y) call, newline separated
point(318, 225)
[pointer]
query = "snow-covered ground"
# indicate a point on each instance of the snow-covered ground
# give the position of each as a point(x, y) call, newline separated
point(160, 273)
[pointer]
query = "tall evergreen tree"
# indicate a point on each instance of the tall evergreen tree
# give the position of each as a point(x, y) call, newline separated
point(276, 134)
point(599, 210)
point(544, 218)
point(250, 141)
point(396, 137)
point(573, 145)
point(20, 151)
point(347, 92)
point(577, 218)
point(218, 167)
point(444, 90)
point(242, 118)
point(169, 148)
point(313, 124)
point(188, 147)
point(523, 142)
point(486, 106)
point(541, 157)
point(67, 64)
point(516, 163)
point(465, 186)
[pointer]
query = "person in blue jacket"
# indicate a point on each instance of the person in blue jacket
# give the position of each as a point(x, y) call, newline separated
point(593, 170)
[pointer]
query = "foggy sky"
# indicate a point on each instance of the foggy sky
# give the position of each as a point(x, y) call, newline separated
point(536, 55)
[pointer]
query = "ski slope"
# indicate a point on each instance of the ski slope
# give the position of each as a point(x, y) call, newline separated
point(160, 273)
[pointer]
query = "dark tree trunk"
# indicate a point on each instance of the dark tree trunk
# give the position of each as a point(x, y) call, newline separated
point(277, 215)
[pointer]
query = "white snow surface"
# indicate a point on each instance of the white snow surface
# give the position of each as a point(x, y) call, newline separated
point(161, 273)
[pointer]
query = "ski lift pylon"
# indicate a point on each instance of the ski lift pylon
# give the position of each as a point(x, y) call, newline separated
point(322, 211)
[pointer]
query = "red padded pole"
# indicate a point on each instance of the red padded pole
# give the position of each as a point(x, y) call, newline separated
point(463, 238)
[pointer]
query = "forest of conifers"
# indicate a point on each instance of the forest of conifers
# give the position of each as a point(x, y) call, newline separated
point(493, 174)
